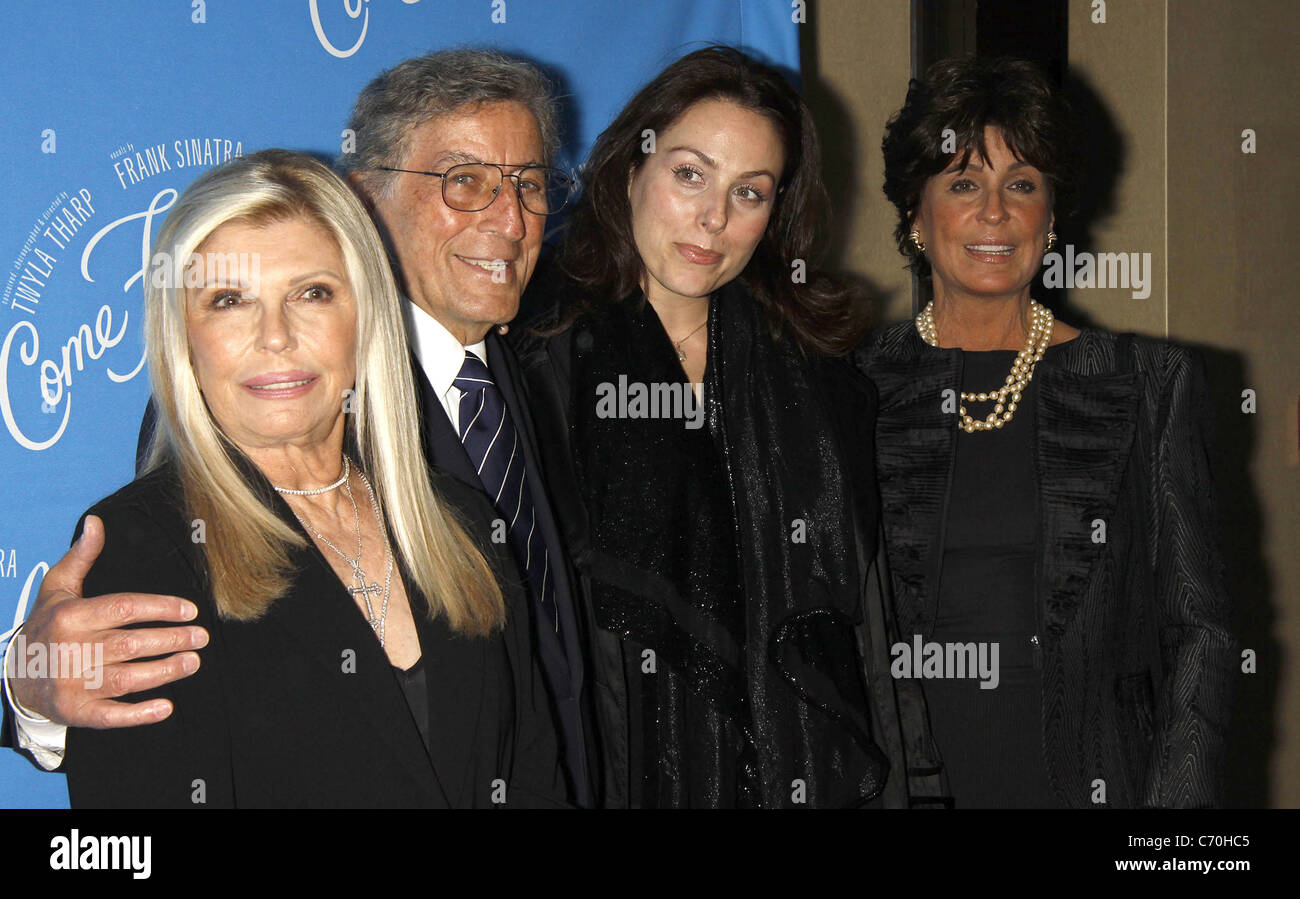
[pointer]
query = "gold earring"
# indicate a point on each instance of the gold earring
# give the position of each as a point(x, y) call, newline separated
point(1051, 239)
point(915, 238)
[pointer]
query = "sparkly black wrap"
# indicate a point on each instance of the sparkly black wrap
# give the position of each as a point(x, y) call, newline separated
point(723, 566)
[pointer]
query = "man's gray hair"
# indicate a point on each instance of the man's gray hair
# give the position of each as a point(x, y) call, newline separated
point(417, 90)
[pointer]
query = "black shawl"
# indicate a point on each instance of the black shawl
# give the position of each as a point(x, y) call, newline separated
point(736, 553)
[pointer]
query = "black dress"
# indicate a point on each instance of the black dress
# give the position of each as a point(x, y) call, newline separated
point(989, 731)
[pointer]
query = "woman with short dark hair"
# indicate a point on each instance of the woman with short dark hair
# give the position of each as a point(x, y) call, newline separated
point(1045, 491)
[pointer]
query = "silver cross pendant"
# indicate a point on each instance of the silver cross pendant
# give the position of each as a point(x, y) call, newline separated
point(365, 589)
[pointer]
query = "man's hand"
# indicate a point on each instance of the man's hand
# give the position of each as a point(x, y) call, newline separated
point(61, 616)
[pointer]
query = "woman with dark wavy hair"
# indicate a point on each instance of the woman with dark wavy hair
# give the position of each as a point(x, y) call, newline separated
point(1045, 491)
point(708, 446)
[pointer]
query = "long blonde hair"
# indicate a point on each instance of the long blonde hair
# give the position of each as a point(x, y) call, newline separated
point(247, 547)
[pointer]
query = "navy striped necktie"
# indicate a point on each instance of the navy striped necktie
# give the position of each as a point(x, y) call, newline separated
point(492, 444)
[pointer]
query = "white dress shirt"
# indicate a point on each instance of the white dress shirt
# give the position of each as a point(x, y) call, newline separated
point(40, 736)
point(440, 355)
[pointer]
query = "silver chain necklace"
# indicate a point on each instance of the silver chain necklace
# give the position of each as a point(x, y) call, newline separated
point(378, 625)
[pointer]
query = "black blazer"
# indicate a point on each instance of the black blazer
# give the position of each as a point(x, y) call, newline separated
point(302, 708)
point(1137, 658)
point(561, 654)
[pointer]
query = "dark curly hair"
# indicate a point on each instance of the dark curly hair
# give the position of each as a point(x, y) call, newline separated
point(966, 95)
point(821, 314)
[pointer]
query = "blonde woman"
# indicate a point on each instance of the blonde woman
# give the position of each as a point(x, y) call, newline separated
point(362, 651)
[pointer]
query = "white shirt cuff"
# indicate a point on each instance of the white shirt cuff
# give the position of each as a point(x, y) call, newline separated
point(40, 736)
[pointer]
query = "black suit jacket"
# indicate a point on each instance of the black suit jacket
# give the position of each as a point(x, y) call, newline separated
point(1137, 659)
point(302, 708)
point(561, 653)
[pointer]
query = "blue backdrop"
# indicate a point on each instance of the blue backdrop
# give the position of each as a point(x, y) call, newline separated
point(109, 111)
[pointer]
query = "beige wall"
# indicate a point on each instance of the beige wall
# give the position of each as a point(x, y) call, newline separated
point(1178, 82)
point(857, 61)
point(1182, 80)
point(1233, 219)
point(1122, 63)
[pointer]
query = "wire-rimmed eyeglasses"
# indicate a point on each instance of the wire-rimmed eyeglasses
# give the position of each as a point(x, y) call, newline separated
point(473, 186)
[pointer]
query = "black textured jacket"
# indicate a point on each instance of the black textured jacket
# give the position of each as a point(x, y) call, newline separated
point(1137, 659)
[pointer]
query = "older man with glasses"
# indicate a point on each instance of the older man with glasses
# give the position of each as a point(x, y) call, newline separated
point(438, 138)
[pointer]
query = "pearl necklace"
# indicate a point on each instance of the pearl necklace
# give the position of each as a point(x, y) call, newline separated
point(319, 490)
point(1007, 397)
